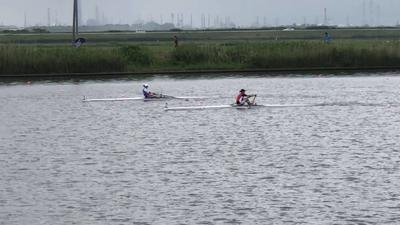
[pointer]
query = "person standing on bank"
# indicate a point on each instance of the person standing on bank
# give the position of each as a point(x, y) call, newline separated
point(176, 41)
point(327, 38)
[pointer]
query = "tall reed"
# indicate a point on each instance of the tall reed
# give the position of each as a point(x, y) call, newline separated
point(30, 59)
point(15, 59)
point(292, 54)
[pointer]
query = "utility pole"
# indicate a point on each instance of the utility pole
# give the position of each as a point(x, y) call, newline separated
point(97, 16)
point(364, 21)
point(48, 17)
point(75, 24)
point(325, 17)
point(25, 21)
point(257, 21)
point(378, 15)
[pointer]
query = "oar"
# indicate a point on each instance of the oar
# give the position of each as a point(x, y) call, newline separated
point(166, 96)
point(254, 99)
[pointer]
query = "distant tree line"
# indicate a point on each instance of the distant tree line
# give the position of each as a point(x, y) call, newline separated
point(27, 31)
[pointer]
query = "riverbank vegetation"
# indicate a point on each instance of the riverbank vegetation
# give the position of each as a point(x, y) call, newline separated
point(288, 54)
point(202, 36)
point(16, 59)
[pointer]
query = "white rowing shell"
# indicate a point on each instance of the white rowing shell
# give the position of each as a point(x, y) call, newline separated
point(229, 106)
point(139, 98)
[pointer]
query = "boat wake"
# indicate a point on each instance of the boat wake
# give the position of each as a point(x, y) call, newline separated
point(355, 103)
point(325, 104)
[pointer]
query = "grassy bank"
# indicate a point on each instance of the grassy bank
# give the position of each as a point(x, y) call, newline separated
point(16, 59)
point(111, 38)
point(29, 59)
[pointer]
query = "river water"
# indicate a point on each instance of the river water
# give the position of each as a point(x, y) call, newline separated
point(336, 161)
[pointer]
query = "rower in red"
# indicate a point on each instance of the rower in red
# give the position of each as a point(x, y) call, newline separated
point(242, 98)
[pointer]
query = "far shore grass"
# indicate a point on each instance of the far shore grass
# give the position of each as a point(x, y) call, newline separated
point(162, 56)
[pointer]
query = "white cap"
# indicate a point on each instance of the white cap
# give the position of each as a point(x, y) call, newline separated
point(145, 85)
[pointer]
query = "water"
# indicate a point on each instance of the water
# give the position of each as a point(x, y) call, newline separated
point(68, 162)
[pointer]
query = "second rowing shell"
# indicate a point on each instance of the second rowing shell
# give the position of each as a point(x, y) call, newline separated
point(230, 106)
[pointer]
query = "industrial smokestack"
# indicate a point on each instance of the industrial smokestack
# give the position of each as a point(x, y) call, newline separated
point(48, 17)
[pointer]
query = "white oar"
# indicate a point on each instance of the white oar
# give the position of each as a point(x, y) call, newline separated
point(112, 99)
point(197, 107)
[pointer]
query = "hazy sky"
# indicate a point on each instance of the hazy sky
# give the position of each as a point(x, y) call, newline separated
point(242, 12)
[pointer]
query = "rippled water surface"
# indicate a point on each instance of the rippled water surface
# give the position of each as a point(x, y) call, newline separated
point(336, 161)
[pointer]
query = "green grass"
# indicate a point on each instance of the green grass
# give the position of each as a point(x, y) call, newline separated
point(38, 59)
point(111, 38)
point(290, 54)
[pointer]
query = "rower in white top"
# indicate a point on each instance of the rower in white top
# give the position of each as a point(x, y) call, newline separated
point(148, 94)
